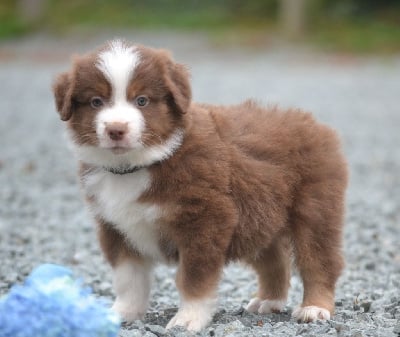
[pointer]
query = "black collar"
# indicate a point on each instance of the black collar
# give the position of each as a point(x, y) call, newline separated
point(123, 170)
point(128, 169)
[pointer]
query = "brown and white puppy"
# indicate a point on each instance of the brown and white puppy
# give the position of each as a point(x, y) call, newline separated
point(172, 181)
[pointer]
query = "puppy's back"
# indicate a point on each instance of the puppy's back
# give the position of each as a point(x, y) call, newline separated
point(291, 138)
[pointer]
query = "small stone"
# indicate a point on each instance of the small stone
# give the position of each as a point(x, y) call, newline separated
point(366, 306)
point(238, 312)
point(330, 332)
point(179, 331)
point(230, 329)
point(149, 334)
point(370, 266)
point(396, 328)
point(339, 303)
point(138, 324)
point(341, 329)
point(156, 329)
point(302, 329)
point(104, 288)
point(357, 333)
point(219, 315)
point(130, 333)
point(347, 314)
point(364, 317)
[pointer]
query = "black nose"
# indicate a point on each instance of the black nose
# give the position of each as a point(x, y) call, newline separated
point(116, 131)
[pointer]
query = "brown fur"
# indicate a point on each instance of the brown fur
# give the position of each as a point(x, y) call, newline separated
point(248, 183)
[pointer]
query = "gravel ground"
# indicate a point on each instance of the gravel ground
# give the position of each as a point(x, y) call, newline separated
point(43, 219)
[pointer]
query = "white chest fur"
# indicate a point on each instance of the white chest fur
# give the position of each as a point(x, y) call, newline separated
point(116, 201)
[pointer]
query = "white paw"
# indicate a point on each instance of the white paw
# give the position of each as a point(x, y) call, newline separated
point(256, 305)
point(127, 311)
point(311, 314)
point(194, 315)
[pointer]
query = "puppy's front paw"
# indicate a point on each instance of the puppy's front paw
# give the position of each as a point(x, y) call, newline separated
point(194, 315)
point(311, 314)
point(258, 306)
point(189, 320)
point(127, 311)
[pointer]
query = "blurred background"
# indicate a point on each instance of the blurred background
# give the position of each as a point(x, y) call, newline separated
point(335, 25)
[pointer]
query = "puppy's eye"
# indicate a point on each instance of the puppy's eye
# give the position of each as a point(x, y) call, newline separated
point(96, 102)
point(141, 101)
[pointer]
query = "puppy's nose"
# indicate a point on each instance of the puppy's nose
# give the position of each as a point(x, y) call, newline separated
point(116, 130)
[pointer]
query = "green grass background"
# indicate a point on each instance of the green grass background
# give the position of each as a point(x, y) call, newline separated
point(343, 25)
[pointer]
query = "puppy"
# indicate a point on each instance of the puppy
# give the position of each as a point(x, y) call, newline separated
point(172, 181)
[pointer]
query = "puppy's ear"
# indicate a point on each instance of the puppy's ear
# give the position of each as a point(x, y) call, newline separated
point(62, 89)
point(177, 81)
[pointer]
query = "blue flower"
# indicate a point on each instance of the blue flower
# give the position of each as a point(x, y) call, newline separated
point(52, 304)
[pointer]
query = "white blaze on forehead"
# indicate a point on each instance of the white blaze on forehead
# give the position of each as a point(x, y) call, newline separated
point(118, 64)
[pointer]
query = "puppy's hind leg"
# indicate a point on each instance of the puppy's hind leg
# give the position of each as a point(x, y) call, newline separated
point(317, 236)
point(272, 266)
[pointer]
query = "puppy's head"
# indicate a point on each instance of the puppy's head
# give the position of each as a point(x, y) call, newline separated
point(124, 105)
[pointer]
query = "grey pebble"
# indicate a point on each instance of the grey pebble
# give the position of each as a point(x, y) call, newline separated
point(357, 334)
point(156, 329)
point(396, 328)
point(131, 333)
point(234, 328)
